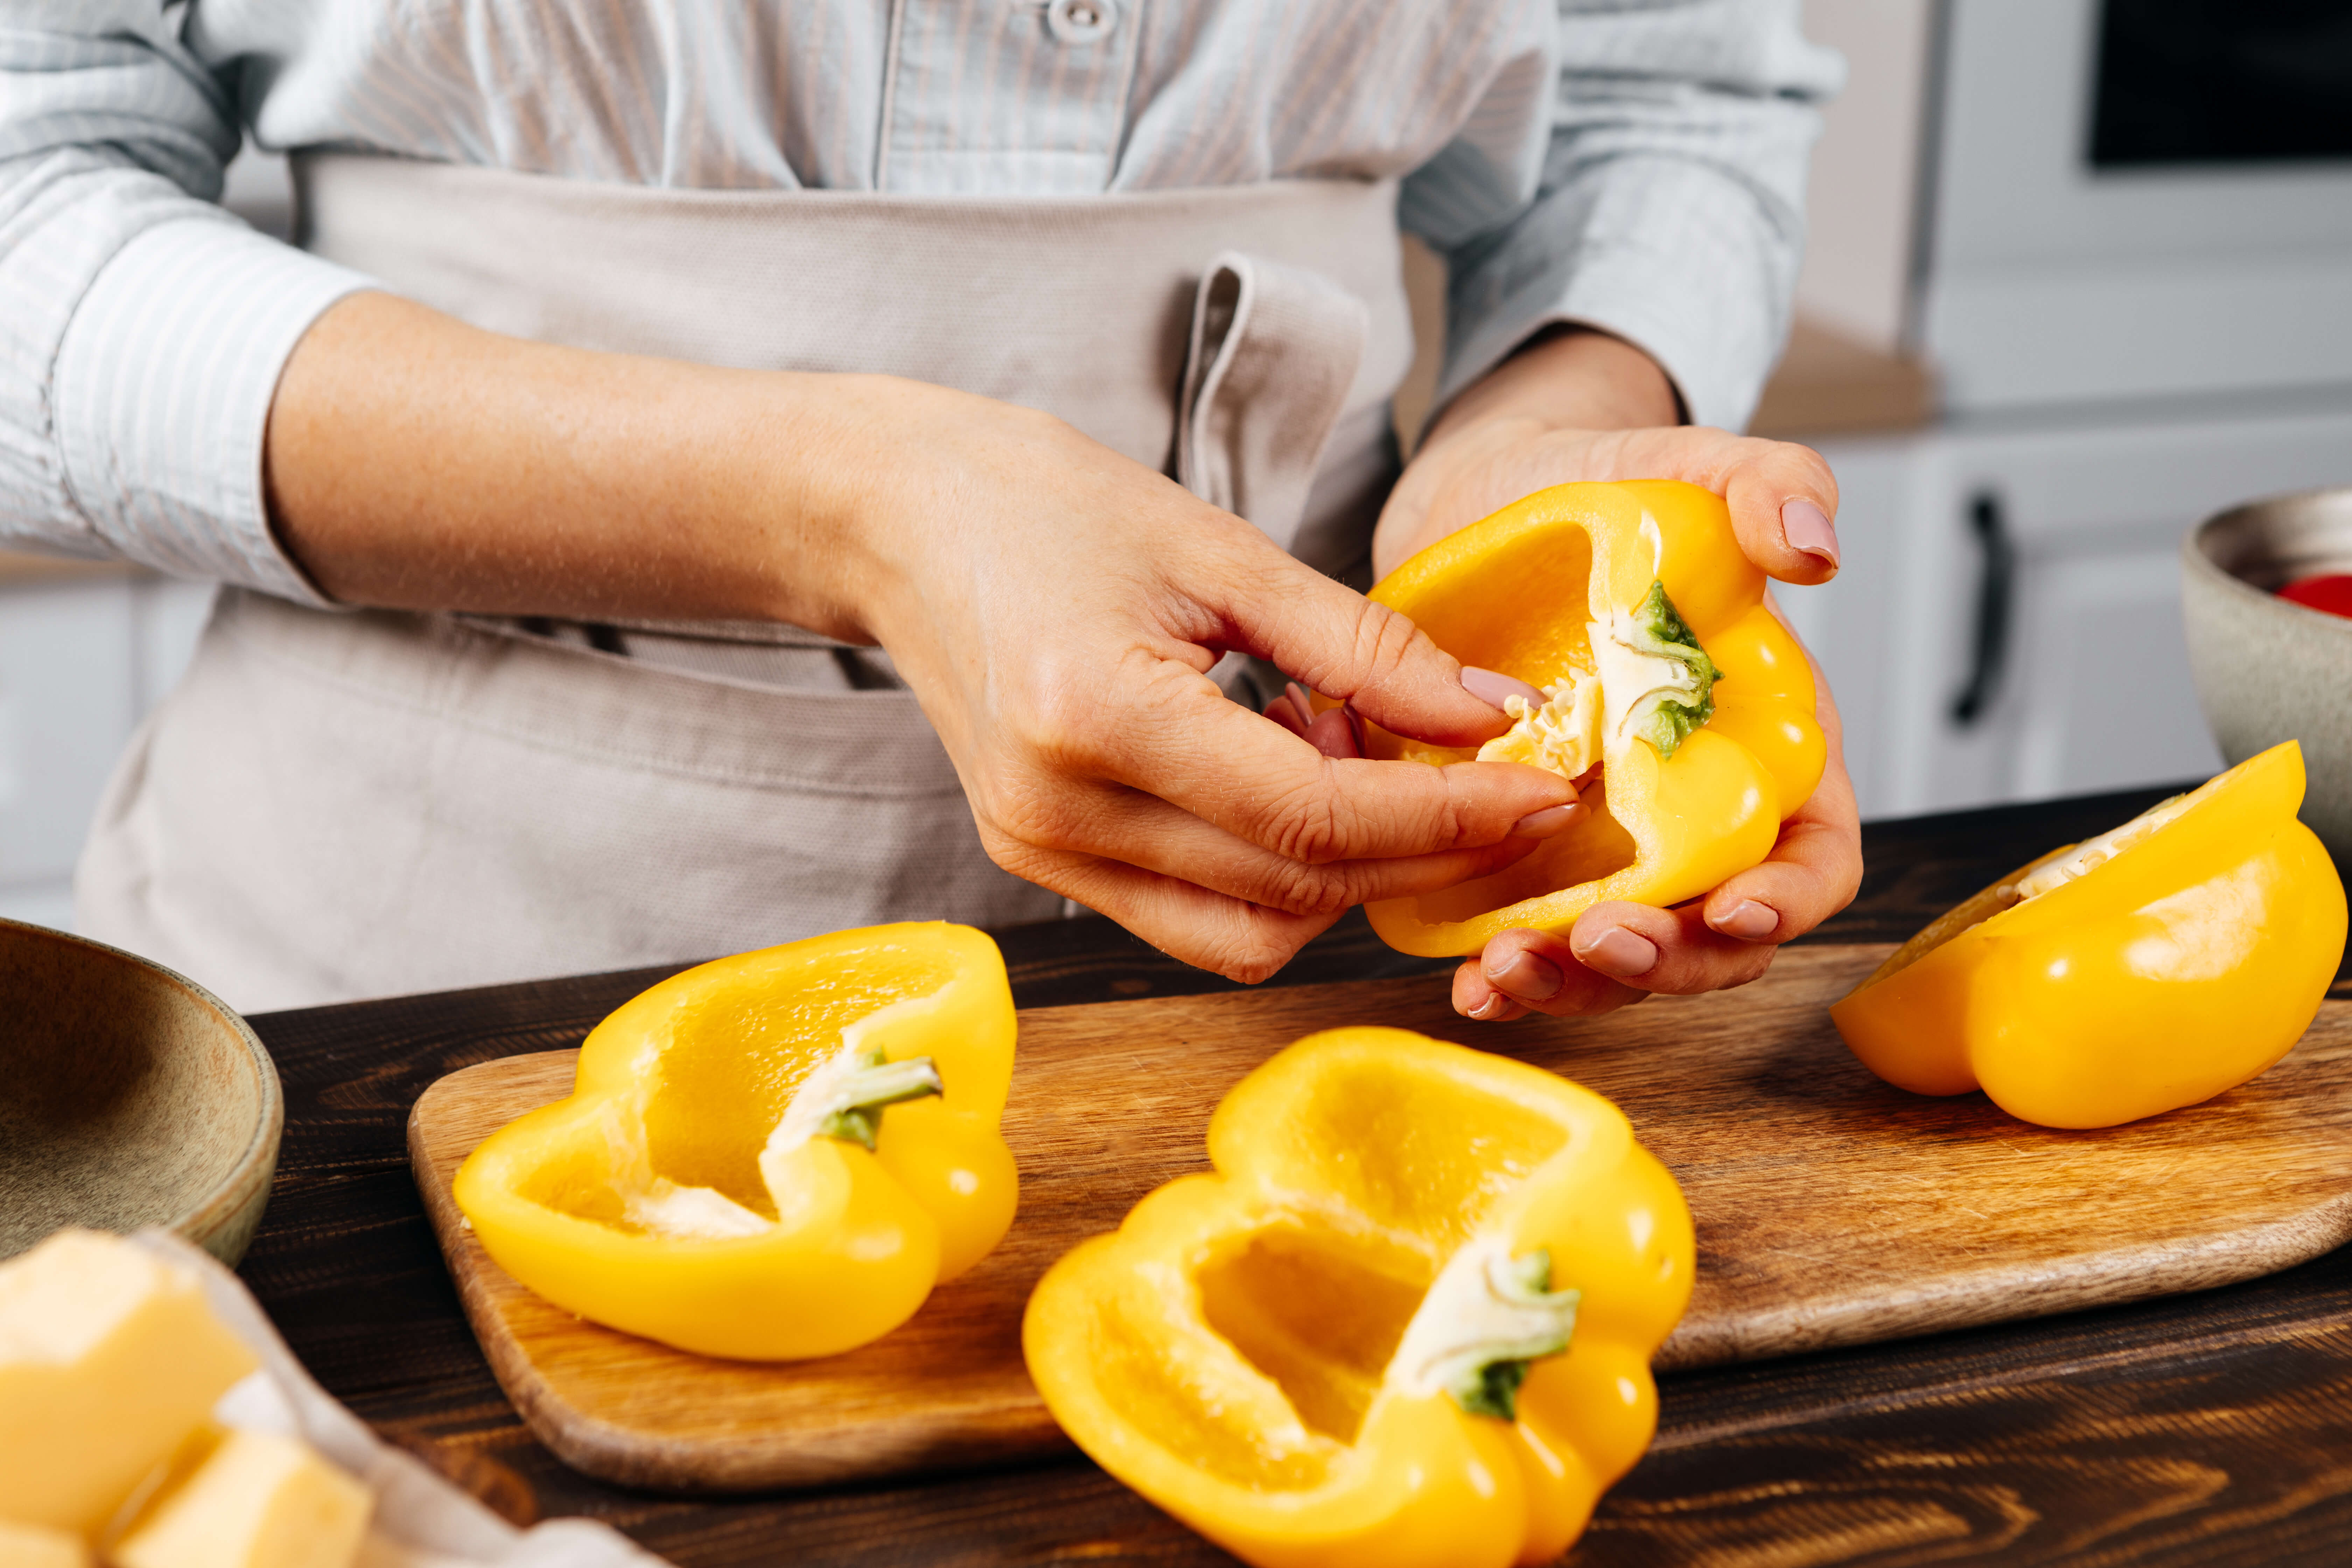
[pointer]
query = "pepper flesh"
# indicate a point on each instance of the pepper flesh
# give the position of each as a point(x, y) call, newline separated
point(2179, 960)
point(1694, 789)
point(755, 1161)
point(1289, 1355)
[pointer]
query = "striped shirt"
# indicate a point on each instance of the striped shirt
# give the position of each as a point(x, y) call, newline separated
point(1633, 164)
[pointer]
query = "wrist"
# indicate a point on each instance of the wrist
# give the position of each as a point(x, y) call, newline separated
point(1570, 378)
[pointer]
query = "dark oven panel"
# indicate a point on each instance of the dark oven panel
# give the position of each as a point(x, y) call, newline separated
point(2222, 82)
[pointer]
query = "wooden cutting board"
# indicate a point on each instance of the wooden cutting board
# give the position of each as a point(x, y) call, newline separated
point(1831, 1209)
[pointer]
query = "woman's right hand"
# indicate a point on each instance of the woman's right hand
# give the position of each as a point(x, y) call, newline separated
point(1055, 606)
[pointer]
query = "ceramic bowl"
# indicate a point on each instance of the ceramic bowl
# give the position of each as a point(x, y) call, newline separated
point(2268, 670)
point(128, 1097)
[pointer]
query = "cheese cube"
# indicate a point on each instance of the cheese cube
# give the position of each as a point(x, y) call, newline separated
point(38, 1546)
point(108, 1359)
point(258, 1501)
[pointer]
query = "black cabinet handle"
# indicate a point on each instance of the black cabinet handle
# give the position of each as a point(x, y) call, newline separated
point(1996, 587)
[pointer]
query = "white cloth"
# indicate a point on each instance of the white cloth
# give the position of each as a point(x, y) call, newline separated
point(421, 1519)
point(1634, 164)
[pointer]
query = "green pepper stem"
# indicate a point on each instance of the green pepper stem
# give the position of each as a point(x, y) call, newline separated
point(854, 1112)
point(1487, 1318)
point(1661, 682)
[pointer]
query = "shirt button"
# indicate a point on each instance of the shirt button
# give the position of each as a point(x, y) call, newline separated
point(1080, 21)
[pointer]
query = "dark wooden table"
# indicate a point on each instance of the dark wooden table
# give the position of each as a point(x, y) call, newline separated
point(2212, 1429)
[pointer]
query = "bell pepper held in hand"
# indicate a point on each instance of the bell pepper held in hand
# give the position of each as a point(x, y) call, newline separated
point(1633, 608)
point(1409, 1320)
point(772, 1157)
point(2147, 969)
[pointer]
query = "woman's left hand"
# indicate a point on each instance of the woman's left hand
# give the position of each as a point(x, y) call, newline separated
point(1586, 407)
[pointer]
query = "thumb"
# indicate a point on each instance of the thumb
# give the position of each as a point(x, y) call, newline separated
point(1366, 654)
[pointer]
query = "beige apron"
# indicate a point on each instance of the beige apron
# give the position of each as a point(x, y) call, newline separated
point(341, 805)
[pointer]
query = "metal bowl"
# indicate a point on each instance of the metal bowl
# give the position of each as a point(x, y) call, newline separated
point(128, 1097)
point(2268, 670)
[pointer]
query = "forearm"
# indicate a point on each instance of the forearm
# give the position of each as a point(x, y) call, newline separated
point(415, 462)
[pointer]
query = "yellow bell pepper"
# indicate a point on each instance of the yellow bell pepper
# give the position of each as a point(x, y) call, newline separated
point(1409, 1320)
point(2149, 968)
point(1632, 607)
point(771, 1156)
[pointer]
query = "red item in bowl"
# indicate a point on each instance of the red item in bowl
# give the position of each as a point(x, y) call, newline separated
point(2330, 590)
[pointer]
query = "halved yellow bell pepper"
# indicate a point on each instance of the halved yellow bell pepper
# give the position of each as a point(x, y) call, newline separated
point(771, 1156)
point(1409, 1320)
point(2147, 969)
point(1632, 606)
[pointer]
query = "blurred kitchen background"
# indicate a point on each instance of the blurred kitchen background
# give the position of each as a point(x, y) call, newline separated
point(2080, 274)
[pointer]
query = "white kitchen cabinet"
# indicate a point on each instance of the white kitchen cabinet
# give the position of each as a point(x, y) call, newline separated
point(2088, 688)
point(68, 699)
point(81, 661)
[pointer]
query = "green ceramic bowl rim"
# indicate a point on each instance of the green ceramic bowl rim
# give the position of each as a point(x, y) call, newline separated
point(259, 1159)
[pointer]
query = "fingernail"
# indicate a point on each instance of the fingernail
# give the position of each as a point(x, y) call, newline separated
point(1527, 977)
point(1550, 820)
point(1493, 1006)
point(1330, 734)
point(1808, 529)
point(1620, 953)
point(1491, 687)
point(1355, 726)
point(1751, 922)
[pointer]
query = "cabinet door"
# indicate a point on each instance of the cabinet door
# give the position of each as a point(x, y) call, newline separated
point(2088, 684)
point(2105, 700)
point(67, 706)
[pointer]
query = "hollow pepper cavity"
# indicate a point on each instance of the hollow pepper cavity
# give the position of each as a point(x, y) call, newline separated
point(1670, 684)
point(2146, 969)
point(774, 1156)
point(1409, 1320)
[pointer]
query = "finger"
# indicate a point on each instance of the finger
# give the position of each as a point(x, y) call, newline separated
point(1522, 971)
point(1138, 829)
point(1302, 701)
point(1674, 952)
point(1330, 734)
point(1344, 646)
point(1228, 936)
point(1187, 744)
point(1813, 872)
point(1475, 997)
point(1783, 502)
point(1815, 866)
point(1288, 715)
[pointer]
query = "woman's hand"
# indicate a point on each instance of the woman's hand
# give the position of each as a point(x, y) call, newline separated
point(1055, 606)
point(1057, 609)
point(1585, 406)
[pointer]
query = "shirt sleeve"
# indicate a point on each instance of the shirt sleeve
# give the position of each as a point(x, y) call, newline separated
point(146, 328)
point(1669, 205)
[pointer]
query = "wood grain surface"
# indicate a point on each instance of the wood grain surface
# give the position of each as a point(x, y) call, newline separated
point(1831, 1209)
point(2201, 1431)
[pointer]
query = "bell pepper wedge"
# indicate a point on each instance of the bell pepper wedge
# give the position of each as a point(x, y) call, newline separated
point(2153, 967)
point(772, 1157)
point(1704, 745)
point(1409, 1320)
